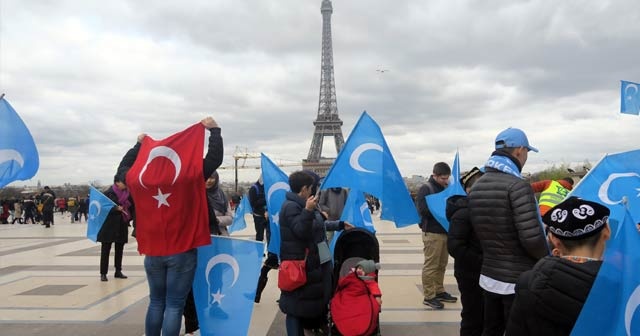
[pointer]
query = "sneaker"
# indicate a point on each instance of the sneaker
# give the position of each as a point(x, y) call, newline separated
point(446, 297)
point(433, 303)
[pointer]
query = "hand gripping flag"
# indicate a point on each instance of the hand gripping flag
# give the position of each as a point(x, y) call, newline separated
point(629, 98)
point(99, 208)
point(239, 222)
point(18, 153)
point(166, 182)
point(356, 212)
point(614, 177)
point(224, 285)
point(365, 163)
point(612, 305)
point(276, 186)
point(437, 203)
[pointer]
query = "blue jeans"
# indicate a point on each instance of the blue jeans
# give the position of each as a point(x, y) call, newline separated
point(294, 326)
point(170, 279)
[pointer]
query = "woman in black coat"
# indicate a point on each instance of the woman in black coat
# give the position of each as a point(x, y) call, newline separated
point(116, 226)
point(303, 232)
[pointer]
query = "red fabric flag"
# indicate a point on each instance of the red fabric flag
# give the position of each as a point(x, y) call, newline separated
point(167, 185)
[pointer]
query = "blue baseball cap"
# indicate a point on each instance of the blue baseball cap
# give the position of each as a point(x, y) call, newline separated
point(513, 138)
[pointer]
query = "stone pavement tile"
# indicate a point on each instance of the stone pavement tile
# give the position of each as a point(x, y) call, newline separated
point(35, 258)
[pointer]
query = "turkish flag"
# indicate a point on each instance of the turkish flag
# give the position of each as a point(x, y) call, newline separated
point(167, 185)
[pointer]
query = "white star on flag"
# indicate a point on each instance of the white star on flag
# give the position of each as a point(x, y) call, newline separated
point(276, 218)
point(217, 297)
point(162, 198)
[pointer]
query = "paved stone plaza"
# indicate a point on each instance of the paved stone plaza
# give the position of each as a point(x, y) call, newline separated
point(50, 285)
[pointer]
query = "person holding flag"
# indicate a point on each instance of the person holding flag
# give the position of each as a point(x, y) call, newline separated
point(166, 179)
point(434, 238)
point(303, 236)
point(115, 229)
point(549, 297)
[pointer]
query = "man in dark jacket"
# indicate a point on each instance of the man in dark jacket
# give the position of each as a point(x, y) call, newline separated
point(549, 298)
point(504, 215)
point(434, 238)
point(259, 210)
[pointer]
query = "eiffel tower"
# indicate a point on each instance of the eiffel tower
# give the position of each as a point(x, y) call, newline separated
point(328, 122)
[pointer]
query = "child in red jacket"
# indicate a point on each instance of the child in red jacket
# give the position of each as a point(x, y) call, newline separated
point(356, 303)
point(366, 271)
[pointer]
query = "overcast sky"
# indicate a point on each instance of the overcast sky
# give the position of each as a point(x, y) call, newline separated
point(88, 76)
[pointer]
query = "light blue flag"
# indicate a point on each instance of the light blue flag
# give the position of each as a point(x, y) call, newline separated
point(629, 98)
point(18, 153)
point(614, 177)
point(356, 212)
point(437, 203)
point(224, 285)
point(276, 185)
point(365, 163)
point(244, 208)
point(99, 208)
point(612, 305)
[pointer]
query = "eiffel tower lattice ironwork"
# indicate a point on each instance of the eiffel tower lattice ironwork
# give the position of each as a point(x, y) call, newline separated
point(328, 122)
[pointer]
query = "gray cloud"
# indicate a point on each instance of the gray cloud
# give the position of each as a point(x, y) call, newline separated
point(87, 77)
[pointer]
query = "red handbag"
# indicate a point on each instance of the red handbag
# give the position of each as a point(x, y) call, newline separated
point(292, 274)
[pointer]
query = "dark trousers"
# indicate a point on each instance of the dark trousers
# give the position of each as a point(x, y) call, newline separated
point(104, 257)
point(496, 313)
point(261, 225)
point(29, 215)
point(190, 315)
point(47, 217)
point(471, 296)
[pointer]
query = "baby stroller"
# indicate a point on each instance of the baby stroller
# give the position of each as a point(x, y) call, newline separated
point(353, 246)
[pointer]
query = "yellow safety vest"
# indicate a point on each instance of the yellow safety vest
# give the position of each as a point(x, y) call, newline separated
point(553, 195)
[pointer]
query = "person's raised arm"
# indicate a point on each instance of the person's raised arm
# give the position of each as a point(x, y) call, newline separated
point(130, 157)
point(215, 152)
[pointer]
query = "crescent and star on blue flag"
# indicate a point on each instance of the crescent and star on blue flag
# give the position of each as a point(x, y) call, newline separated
point(629, 98)
point(224, 285)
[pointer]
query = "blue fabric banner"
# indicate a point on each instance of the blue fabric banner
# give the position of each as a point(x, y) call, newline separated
point(614, 178)
point(19, 158)
point(276, 185)
point(224, 285)
point(437, 203)
point(239, 222)
point(356, 212)
point(365, 163)
point(99, 207)
point(629, 98)
point(612, 305)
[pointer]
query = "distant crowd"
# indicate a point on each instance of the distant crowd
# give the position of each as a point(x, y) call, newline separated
point(32, 209)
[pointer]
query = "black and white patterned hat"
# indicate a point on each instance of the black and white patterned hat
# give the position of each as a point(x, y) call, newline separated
point(576, 218)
